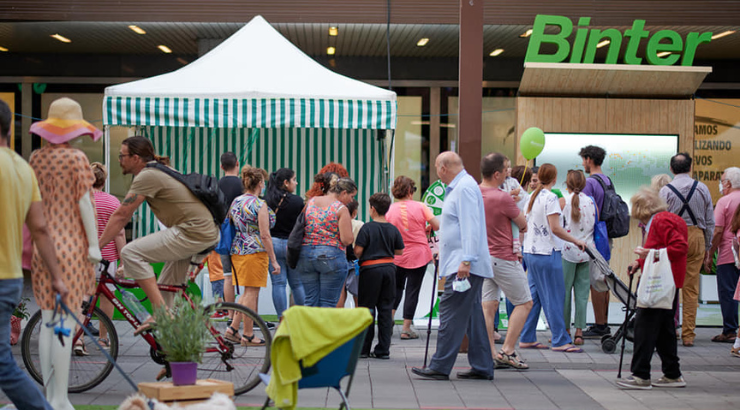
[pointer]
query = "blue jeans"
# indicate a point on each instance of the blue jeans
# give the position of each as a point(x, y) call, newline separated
point(279, 297)
point(727, 276)
point(23, 392)
point(548, 292)
point(323, 272)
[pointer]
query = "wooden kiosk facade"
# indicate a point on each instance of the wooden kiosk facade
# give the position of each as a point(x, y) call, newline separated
point(610, 99)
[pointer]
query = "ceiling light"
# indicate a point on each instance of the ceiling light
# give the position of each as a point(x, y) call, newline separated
point(602, 43)
point(61, 38)
point(331, 51)
point(333, 31)
point(496, 52)
point(3, 49)
point(164, 48)
point(663, 54)
point(526, 33)
point(422, 42)
point(137, 29)
point(722, 34)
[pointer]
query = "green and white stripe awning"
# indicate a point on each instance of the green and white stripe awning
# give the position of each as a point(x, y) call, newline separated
point(303, 150)
point(249, 113)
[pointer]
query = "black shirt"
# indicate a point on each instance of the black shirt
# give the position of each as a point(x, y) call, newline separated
point(286, 216)
point(379, 240)
point(232, 187)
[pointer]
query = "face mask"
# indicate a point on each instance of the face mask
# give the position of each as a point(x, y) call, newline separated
point(721, 188)
point(262, 193)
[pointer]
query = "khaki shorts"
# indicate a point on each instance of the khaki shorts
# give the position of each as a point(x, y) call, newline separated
point(509, 277)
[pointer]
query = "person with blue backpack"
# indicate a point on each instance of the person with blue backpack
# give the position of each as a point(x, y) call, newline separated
point(615, 213)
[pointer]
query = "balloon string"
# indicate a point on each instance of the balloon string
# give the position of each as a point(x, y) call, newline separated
point(524, 173)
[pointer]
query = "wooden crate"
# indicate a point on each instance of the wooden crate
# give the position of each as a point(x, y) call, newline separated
point(202, 390)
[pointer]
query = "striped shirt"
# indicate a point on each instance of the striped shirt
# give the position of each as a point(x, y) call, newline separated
point(105, 205)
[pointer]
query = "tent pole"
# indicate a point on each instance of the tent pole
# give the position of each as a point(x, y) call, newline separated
point(106, 155)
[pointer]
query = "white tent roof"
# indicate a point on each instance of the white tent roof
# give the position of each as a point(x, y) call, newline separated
point(255, 62)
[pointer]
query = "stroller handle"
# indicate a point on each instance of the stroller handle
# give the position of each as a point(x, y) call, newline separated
point(588, 251)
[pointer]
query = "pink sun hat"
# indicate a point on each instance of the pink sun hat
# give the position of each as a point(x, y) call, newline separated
point(64, 123)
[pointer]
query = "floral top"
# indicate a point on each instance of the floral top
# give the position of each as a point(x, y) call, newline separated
point(244, 212)
point(539, 240)
point(583, 229)
point(322, 225)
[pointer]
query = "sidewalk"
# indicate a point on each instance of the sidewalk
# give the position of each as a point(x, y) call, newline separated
point(554, 381)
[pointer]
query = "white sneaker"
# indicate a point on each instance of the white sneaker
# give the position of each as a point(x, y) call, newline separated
point(634, 383)
point(666, 382)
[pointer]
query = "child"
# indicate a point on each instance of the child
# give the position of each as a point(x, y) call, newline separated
point(353, 274)
point(375, 245)
point(521, 197)
point(216, 276)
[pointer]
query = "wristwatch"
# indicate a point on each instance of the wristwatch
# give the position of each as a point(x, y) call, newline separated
point(466, 263)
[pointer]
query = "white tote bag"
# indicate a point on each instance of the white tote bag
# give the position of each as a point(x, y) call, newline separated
point(657, 288)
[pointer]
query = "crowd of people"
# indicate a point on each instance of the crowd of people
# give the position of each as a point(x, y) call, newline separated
point(512, 233)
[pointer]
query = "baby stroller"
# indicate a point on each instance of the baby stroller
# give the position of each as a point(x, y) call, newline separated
point(624, 294)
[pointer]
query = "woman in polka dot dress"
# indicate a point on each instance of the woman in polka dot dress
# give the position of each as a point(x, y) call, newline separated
point(65, 181)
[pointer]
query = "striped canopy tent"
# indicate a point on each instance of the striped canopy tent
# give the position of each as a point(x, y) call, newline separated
point(261, 97)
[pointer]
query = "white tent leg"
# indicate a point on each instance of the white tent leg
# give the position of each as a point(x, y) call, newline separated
point(106, 155)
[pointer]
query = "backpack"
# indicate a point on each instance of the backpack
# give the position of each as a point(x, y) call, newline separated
point(204, 187)
point(614, 211)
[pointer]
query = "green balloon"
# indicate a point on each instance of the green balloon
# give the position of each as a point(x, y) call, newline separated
point(532, 143)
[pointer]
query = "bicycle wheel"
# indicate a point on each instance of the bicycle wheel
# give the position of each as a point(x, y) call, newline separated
point(241, 364)
point(85, 372)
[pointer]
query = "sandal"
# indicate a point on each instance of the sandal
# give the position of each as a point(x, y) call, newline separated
point(250, 341)
point(234, 336)
point(723, 338)
point(567, 349)
point(104, 343)
point(409, 334)
point(510, 360)
point(578, 340)
point(735, 352)
point(80, 349)
point(535, 345)
point(144, 327)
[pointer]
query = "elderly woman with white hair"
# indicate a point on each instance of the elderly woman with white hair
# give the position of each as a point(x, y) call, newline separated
point(655, 328)
point(727, 272)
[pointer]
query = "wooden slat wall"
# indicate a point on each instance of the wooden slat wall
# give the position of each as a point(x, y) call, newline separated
point(610, 116)
point(680, 12)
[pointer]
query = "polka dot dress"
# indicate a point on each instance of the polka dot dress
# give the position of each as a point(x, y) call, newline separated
point(64, 176)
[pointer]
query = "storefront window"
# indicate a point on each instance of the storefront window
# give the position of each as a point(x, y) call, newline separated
point(408, 142)
point(716, 140)
point(499, 120)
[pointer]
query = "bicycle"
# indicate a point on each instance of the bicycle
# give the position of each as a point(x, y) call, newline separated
point(223, 359)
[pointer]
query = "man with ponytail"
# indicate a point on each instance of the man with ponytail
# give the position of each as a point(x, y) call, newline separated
point(190, 224)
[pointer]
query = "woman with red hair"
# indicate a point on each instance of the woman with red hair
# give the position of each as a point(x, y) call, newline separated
point(319, 187)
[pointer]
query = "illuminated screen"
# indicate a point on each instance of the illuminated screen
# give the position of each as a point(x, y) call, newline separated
point(631, 160)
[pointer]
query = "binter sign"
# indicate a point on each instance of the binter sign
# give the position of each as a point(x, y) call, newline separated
point(582, 48)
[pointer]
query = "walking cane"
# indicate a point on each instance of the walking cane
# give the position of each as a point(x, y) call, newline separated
point(431, 309)
point(626, 323)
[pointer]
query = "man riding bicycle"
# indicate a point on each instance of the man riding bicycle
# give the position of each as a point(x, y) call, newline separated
point(190, 227)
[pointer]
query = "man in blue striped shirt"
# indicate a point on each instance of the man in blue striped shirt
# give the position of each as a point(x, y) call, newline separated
point(463, 246)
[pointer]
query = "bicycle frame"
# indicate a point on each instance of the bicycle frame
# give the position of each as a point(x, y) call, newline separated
point(103, 290)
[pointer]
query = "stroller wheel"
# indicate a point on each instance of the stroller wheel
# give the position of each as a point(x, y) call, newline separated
point(608, 345)
point(605, 337)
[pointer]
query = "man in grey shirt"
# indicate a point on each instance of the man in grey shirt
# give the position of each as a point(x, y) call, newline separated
point(691, 200)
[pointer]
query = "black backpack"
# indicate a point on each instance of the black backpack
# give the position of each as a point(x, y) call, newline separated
point(204, 187)
point(614, 211)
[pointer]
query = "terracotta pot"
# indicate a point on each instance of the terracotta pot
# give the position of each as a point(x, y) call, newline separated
point(15, 329)
point(184, 373)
